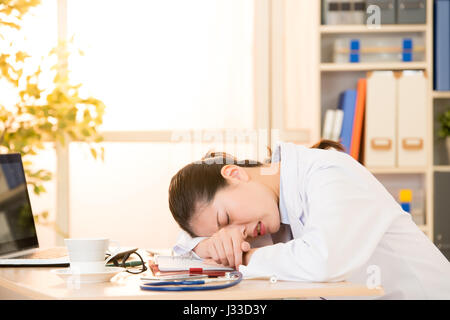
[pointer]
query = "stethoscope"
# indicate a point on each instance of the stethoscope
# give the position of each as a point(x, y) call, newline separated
point(194, 285)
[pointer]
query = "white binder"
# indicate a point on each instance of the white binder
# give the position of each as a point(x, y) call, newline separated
point(337, 126)
point(332, 17)
point(412, 113)
point(328, 124)
point(381, 119)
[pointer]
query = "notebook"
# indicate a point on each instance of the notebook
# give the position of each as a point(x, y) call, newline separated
point(180, 263)
point(358, 119)
point(347, 104)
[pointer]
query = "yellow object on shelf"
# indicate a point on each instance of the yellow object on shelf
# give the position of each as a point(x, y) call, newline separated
point(405, 195)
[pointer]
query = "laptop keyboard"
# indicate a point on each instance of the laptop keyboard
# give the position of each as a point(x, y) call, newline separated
point(52, 253)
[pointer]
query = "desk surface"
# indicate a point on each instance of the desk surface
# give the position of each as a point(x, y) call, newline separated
point(40, 283)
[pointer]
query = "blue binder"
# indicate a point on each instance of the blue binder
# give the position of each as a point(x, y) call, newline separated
point(442, 45)
point(348, 105)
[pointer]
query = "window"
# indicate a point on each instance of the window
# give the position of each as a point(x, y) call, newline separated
point(38, 35)
point(166, 65)
point(158, 66)
point(126, 197)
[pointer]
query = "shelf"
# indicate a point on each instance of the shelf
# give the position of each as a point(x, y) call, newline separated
point(441, 94)
point(442, 168)
point(423, 227)
point(390, 28)
point(336, 77)
point(333, 67)
point(394, 170)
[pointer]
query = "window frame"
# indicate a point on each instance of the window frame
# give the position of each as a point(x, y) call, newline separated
point(262, 112)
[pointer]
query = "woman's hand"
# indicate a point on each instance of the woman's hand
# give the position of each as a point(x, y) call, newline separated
point(226, 246)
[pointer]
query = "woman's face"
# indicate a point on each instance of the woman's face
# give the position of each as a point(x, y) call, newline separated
point(243, 202)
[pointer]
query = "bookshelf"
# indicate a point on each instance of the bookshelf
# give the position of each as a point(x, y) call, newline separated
point(334, 67)
point(395, 170)
point(391, 28)
point(439, 101)
point(336, 77)
point(442, 168)
point(441, 94)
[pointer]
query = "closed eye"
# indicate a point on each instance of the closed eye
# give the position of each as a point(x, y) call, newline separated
point(219, 224)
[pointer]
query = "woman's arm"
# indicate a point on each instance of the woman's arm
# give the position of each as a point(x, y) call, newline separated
point(186, 244)
point(349, 214)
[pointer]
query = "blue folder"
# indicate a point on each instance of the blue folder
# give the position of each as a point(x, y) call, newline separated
point(442, 45)
point(347, 103)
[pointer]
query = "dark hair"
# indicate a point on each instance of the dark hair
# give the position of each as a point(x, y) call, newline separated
point(198, 182)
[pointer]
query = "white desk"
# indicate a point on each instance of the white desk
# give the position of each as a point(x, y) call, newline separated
point(40, 283)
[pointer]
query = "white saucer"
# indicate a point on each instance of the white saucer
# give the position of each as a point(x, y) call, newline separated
point(95, 277)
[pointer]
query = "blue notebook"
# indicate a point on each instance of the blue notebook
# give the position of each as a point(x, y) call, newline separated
point(442, 45)
point(347, 103)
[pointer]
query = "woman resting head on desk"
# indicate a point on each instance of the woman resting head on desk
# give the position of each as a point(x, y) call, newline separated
point(328, 217)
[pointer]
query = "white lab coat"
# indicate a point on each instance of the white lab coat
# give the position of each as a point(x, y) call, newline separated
point(346, 226)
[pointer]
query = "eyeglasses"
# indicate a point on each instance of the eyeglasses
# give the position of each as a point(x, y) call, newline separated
point(130, 260)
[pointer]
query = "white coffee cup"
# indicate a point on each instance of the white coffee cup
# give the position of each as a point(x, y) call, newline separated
point(87, 255)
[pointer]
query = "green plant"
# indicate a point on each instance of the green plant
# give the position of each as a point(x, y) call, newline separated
point(42, 111)
point(444, 120)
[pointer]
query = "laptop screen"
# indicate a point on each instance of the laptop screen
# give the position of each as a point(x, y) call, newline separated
point(17, 229)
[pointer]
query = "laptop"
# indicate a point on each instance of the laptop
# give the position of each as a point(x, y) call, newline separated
point(19, 244)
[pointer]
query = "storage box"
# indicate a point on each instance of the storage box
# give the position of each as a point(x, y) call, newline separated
point(411, 11)
point(381, 120)
point(412, 110)
point(387, 48)
point(387, 10)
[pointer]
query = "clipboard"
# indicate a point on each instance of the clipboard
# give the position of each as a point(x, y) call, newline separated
point(176, 265)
